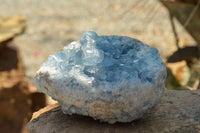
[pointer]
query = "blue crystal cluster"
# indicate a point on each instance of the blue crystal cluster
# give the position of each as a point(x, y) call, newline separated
point(111, 78)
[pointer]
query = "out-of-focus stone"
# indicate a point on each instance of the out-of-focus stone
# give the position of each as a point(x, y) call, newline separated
point(178, 112)
point(17, 100)
point(11, 27)
point(15, 104)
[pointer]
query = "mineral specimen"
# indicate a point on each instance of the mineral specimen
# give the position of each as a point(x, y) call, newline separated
point(111, 78)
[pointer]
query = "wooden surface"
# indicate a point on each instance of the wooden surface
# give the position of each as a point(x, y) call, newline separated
point(178, 112)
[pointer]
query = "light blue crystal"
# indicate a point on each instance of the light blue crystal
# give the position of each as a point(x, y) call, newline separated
point(111, 78)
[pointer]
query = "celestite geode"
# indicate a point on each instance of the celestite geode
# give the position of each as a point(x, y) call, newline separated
point(111, 78)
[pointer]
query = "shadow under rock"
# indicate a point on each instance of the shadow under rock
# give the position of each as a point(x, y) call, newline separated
point(8, 58)
point(186, 53)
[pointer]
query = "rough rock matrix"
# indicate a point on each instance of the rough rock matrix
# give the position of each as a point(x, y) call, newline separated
point(111, 78)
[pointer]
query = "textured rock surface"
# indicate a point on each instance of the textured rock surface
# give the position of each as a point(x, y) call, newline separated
point(111, 78)
point(178, 112)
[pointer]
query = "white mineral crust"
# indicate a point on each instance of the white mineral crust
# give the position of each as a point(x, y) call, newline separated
point(111, 78)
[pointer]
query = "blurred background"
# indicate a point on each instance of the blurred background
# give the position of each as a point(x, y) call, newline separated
point(30, 30)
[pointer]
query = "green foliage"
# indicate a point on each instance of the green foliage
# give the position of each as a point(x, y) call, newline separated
point(171, 83)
